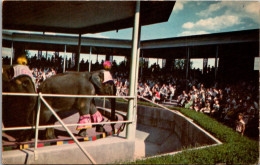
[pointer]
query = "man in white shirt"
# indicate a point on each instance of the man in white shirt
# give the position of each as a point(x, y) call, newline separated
point(172, 90)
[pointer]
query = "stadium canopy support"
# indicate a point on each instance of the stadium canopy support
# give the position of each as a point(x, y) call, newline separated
point(78, 53)
point(187, 66)
point(90, 62)
point(12, 53)
point(64, 59)
point(216, 63)
point(131, 128)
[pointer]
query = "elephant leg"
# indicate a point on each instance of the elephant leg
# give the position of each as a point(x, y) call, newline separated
point(84, 110)
point(45, 120)
point(25, 135)
point(113, 112)
point(83, 133)
point(50, 134)
point(96, 117)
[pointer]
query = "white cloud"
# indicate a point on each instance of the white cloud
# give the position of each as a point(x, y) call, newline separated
point(189, 33)
point(241, 9)
point(188, 25)
point(216, 23)
point(212, 8)
point(179, 5)
point(253, 8)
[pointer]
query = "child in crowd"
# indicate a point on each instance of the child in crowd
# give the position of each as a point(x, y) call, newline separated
point(156, 96)
point(240, 124)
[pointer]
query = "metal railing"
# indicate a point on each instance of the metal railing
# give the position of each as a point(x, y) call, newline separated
point(65, 126)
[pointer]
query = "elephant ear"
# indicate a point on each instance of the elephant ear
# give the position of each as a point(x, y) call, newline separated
point(97, 78)
point(7, 73)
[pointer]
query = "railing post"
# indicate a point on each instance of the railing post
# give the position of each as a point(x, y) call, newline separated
point(216, 64)
point(36, 127)
point(67, 129)
point(130, 131)
point(12, 51)
point(89, 66)
point(78, 54)
point(64, 59)
point(104, 102)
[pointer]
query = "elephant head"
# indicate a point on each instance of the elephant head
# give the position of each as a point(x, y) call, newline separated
point(104, 85)
point(103, 82)
point(17, 110)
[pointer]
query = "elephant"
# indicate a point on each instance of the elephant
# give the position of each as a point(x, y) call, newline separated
point(18, 110)
point(75, 83)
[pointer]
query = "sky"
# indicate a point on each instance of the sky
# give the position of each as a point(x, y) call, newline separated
point(194, 18)
point(198, 17)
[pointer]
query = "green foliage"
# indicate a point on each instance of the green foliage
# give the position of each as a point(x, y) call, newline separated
point(236, 149)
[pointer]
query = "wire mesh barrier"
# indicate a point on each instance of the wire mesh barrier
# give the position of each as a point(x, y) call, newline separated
point(65, 126)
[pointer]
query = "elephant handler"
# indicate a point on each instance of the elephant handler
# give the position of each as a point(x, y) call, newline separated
point(95, 116)
point(21, 68)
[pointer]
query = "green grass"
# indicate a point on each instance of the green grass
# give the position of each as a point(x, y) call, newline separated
point(139, 103)
point(236, 149)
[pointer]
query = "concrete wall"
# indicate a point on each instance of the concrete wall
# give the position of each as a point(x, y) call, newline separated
point(103, 151)
point(187, 132)
point(158, 130)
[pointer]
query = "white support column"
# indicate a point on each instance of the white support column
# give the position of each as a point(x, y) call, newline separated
point(130, 131)
point(216, 63)
point(187, 67)
point(136, 78)
point(89, 66)
point(142, 64)
point(12, 53)
point(79, 49)
point(64, 59)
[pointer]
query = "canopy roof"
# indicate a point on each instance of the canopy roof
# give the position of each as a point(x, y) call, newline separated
point(81, 16)
point(201, 46)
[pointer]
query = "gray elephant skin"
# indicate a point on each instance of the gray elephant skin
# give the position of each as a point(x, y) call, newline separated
point(74, 83)
point(18, 110)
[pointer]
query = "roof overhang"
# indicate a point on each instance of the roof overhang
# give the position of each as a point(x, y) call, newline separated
point(80, 17)
point(201, 45)
point(204, 40)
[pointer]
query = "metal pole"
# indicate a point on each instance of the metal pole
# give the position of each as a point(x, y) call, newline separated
point(89, 66)
point(216, 63)
point(187, 67)
point(64, 59)
point(12, 53)
point(68, 125)
point(136, 76)
point(66, 95)
point(67, 129)
point(130, 134)
point(104, 102)
point(142, 65)
point(79, 47)
point(37, 128)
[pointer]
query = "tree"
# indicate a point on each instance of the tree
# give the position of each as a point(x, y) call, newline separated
point(181, 64)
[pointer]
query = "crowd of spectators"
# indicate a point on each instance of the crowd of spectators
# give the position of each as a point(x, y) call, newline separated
point(223, 101)
point(42, 74)
point(228, 103)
